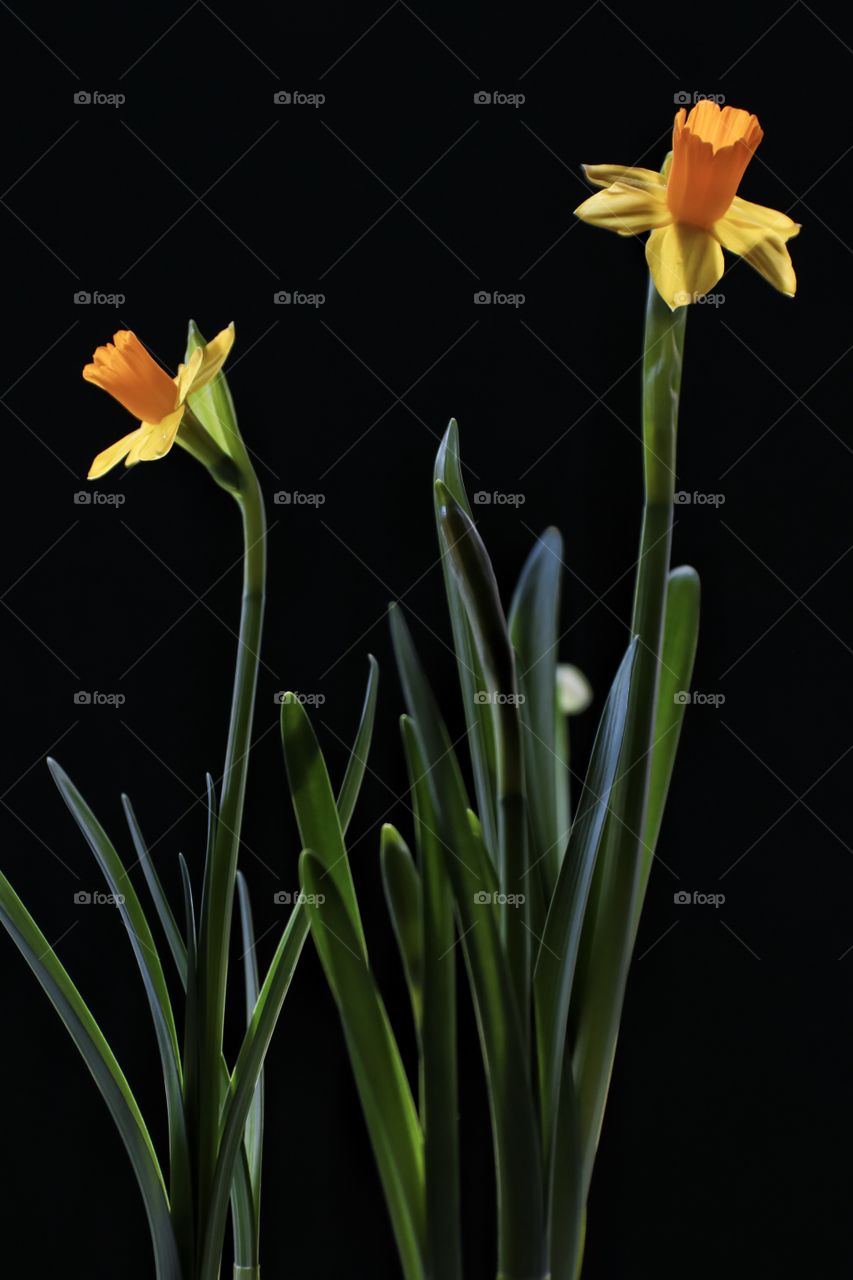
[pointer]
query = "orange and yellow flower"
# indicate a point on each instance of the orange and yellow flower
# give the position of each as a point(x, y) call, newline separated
point(125, 369)
point(693, 210)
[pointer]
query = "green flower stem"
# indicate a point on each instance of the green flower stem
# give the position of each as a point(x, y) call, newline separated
point(619, 874)
point(217, 908)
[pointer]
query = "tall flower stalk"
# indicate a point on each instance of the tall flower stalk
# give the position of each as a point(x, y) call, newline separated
point(215, 1111)
point(541, 891)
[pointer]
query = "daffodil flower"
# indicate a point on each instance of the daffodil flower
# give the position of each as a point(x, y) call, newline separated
point(693, 210)
point(125, 369)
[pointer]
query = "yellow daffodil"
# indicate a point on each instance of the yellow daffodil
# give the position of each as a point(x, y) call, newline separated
point(125, 369)
point(693, 210)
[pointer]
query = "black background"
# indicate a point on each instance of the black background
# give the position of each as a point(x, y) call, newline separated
point(726, 1141)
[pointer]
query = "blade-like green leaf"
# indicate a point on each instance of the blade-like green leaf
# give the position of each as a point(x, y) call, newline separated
point(314, 803)
point(555, 966)
point(161, 902)
point(681, 632)
point(255, 1123)
point(148, 961)
point(448, 469)
point(439, 1086)
point(386, 1098)
point(533, 623)
point(480, 597)
point(244, 1082)
point(351, 785)
point(514, 1122)
point(403, 894)
point(98, 1056)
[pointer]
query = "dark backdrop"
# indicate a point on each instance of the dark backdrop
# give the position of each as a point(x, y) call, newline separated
point(725, 1148)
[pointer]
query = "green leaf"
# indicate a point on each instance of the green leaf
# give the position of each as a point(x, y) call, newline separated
point(681, 632)
point(403, 894)
point(448, 469)
point(533, 623)
point(357, 763)
point(478, 590)
point(161, 902)
point(255, 1123)
point(514, 1122)
point(555, 966)
point(439, 1086)
point(107, 1073)
point(243, 1085)
point(148, 961)
point(386, 1098)
point(314, 803)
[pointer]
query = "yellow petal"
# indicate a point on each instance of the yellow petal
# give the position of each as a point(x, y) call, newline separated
point(214, 355)
point(106, 460)
point(604, 175)
point(685, 263)
point(187, 374)
point(770, 219)
point(762, 249)
point(156, 439)
point(628, 210)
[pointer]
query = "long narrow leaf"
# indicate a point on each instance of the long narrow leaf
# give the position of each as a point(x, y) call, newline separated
point(533, 623)
point(448, 470)
point(107, 1073)
point(314, 803)
point(386, 1098)
point(439, 1084)
point(402, 885)
point(155, 888)
point(357, 763)
point(514, 1121)
point(148, 961)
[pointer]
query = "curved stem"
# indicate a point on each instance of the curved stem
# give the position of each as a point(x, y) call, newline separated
point(218, 898)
